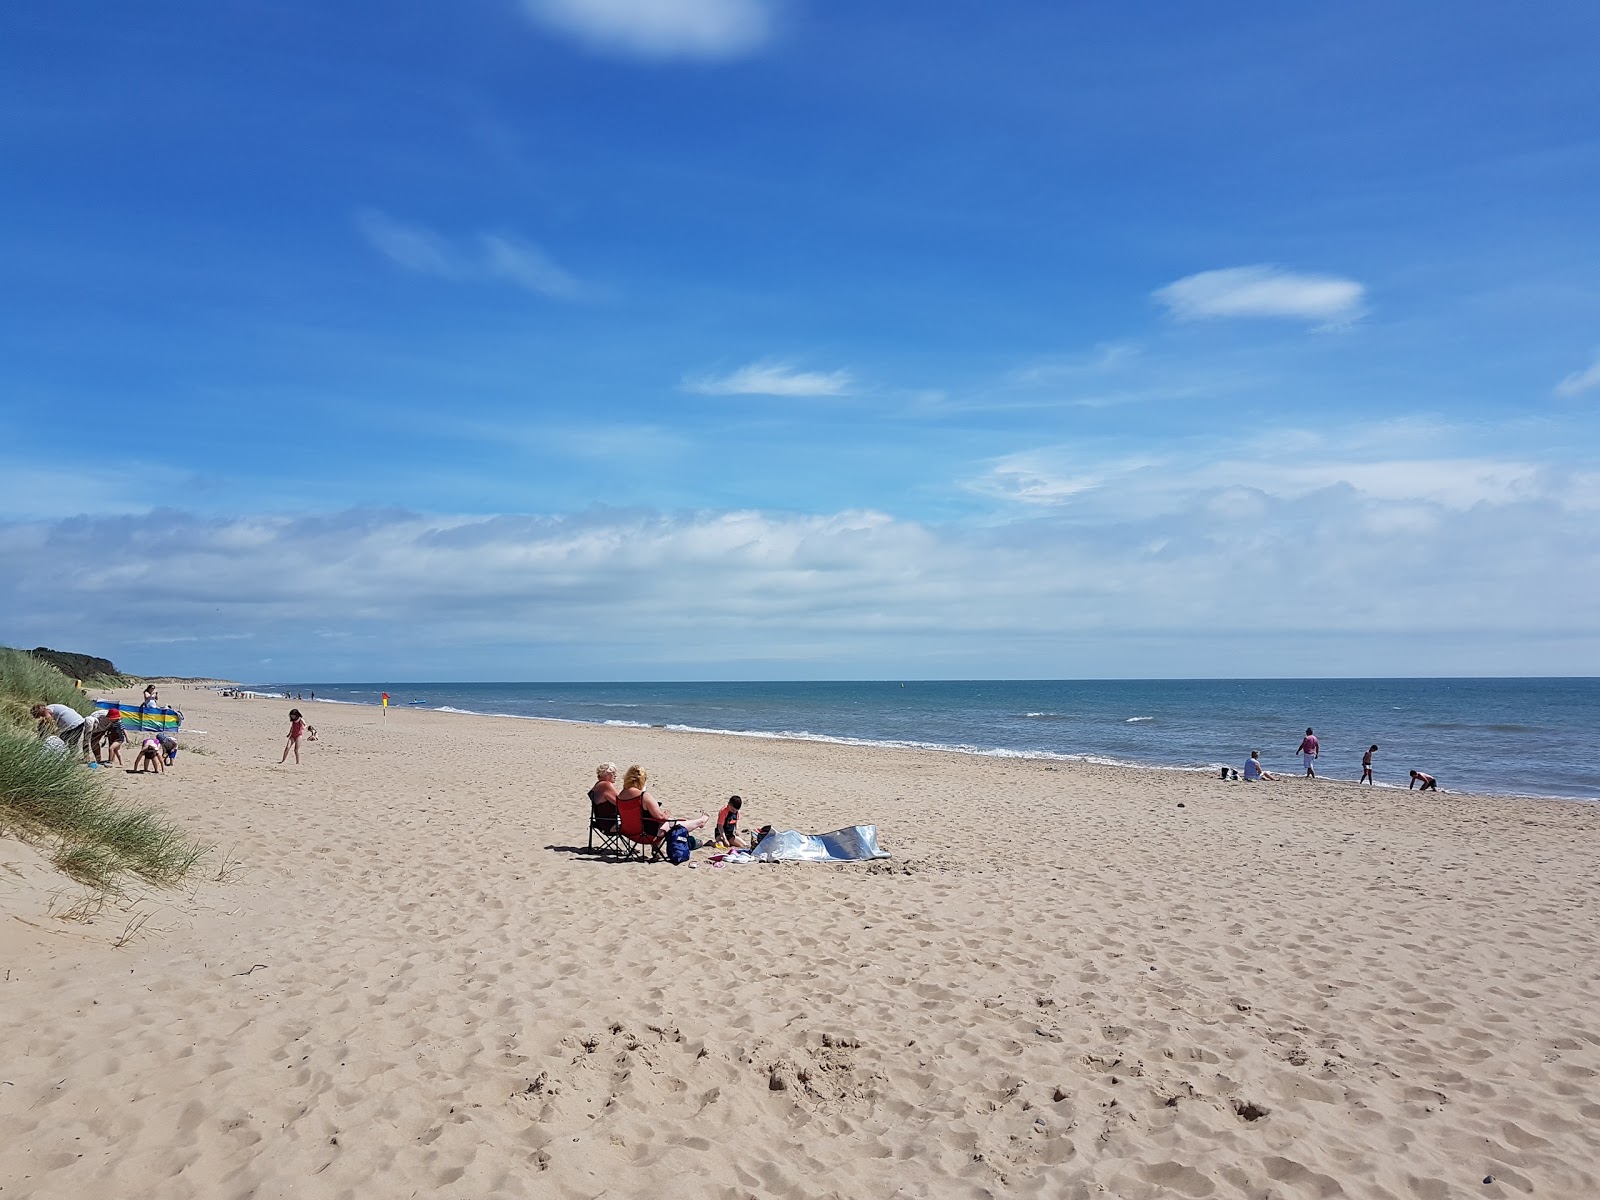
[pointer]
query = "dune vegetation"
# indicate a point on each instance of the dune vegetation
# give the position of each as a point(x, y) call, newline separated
point(52, 798)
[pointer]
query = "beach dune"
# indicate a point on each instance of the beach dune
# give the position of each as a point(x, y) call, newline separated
point(400, 975)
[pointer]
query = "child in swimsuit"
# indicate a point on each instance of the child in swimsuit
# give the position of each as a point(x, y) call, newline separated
point(297, 730)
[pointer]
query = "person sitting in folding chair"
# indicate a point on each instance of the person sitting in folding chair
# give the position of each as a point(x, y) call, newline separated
point(603, 819)
point(645, 822)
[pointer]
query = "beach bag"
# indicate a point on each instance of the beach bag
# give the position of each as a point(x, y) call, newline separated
point(679, 843)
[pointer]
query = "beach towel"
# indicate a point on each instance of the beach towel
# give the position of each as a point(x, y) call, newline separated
point(856, 843)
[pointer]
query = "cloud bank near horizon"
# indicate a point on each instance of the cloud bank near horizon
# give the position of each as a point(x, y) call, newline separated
point(1208, 565)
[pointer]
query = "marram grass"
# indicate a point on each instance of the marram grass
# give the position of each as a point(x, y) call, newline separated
point(46, 795)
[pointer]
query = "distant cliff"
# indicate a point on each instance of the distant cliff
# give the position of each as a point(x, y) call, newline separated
point(77, 666)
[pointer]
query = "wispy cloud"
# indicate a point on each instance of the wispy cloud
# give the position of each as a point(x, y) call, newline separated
point(1262, 291)
point(693, 29)
point(487, 258)
point(1580, 381)
point(772, 378)
point(1284, 466)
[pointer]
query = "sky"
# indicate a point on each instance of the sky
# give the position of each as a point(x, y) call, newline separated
point(795, 339)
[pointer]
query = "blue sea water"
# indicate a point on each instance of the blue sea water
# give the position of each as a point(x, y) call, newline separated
point(1522, 736)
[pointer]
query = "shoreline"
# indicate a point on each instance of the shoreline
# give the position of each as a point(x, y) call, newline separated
point(1289, 775)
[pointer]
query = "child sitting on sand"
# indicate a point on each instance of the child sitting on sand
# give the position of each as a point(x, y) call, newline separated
point(297, 730)
point(728, 825)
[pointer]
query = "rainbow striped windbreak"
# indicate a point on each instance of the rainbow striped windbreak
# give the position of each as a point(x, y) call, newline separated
point(143, 720)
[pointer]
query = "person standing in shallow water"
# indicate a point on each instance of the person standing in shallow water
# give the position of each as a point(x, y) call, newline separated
point(1308, 752)
point(1366, 765)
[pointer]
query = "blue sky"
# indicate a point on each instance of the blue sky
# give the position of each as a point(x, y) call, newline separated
point(573, 339)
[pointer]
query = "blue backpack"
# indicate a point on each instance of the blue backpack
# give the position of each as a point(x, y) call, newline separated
point(679, 844)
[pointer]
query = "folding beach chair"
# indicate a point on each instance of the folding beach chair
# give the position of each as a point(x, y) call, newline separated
point(630, 821)
point(605, 833)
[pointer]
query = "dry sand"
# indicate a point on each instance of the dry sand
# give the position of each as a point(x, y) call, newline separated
point(1070, 982)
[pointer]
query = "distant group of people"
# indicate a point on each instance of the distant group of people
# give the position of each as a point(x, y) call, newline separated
point(100, 736)
point(1310, 750)
point(634, 808)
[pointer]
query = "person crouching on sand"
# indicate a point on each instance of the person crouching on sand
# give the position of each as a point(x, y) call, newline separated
point(1427, 782)
point(1252, 768)
point(297, 730)
point(149, 759)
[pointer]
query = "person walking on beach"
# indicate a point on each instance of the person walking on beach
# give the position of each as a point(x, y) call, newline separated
point(1308, 752)
point(1366, 764)
point(1428, 782)
point(297, 730)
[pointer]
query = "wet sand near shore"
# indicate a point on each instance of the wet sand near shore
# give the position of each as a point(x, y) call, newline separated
point(1069, 981)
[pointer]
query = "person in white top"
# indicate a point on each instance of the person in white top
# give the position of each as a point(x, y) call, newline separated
point(68, 723)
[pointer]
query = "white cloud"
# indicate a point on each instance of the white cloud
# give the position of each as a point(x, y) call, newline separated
point(829, 595)
point(494, 257)
point(1275, 467)
point(409, 246)
point(696, 29)
point(528, 267)
point(1580, 381)
point(1262, 291)
point(769, 378)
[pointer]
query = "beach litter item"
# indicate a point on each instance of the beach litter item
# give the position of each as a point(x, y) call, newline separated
point(855, 843)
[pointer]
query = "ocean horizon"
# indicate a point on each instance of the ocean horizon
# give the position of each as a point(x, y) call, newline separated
point(1509, 736)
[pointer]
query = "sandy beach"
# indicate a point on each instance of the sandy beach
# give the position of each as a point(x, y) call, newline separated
point(399, 975)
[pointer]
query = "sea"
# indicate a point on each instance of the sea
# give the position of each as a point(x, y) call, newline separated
point(1511, 736)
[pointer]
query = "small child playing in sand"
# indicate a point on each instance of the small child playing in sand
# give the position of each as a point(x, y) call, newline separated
point(149, 758)
point(297, 730)
point(728, 825)
point(1427, 782)
point(1366, 765)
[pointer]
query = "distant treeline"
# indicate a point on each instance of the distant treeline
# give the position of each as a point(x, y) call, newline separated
point(77, 666)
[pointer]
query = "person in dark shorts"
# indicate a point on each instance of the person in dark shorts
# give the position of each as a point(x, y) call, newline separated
point(67, 722)
point(1427, 782)
point(728, 824)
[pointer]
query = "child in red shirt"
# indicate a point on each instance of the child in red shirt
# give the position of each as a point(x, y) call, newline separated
point(728, 824)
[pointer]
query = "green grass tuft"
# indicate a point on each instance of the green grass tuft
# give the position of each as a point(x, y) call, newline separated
point(45, 794)
point(26, 681)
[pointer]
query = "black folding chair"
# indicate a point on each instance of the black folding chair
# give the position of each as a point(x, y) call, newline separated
point(605, 834)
